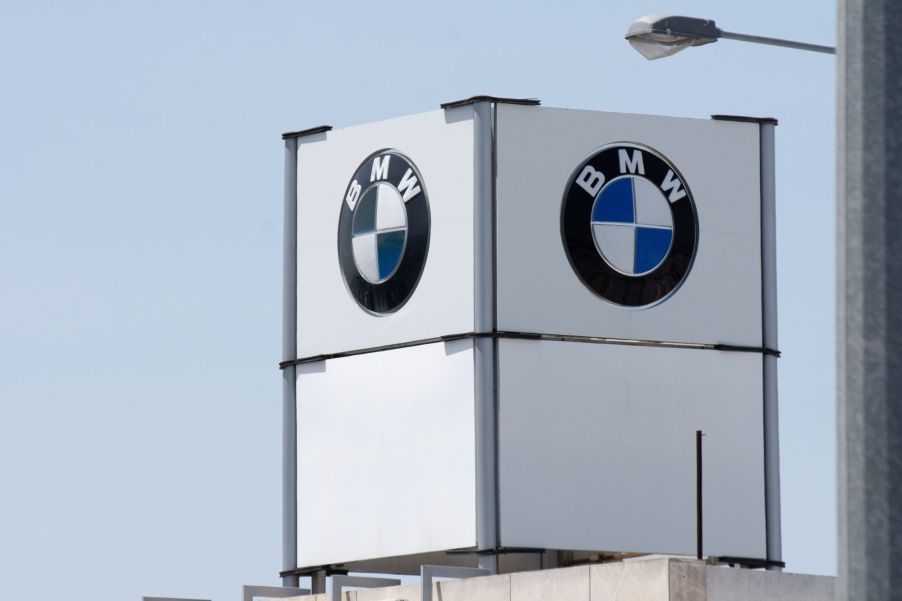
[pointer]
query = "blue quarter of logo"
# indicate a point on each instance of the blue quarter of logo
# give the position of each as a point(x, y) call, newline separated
point(615, 203)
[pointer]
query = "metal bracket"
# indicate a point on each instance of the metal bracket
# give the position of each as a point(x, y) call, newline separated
point(427, 573)
point(359, 582)
point(248, 592)
point(312, 131)
point(495, 99)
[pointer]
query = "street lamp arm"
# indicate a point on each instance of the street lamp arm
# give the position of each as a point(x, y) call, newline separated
point(658, 35)
point(757, 39)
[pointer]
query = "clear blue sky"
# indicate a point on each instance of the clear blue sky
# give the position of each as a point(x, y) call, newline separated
point(140, 248)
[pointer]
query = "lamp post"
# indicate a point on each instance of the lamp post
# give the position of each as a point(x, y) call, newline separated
point(656, 36)
point(869, 299)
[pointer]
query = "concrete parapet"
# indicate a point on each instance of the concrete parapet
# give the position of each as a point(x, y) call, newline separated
point(642, 579)
point(725, 584)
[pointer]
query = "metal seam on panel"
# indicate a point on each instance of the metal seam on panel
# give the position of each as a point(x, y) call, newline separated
point(535, 336)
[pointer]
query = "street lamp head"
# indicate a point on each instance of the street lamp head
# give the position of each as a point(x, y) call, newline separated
point(656, 36)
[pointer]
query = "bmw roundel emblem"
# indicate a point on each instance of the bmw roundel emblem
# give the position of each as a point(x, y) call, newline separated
point(383, 231)
point(629, 225)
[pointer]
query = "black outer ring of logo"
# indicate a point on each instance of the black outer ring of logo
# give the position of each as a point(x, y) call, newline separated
point(390, 295)
point(579, 245)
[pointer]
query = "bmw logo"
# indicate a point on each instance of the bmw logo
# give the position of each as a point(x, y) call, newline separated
point(629, 225)
point(383, 231)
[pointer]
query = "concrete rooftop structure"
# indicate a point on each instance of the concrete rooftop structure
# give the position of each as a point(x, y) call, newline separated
point(652, 578)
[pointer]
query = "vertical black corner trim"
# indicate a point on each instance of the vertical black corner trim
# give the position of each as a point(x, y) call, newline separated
point(496, 383)
point(485, 347)
point(761, 252)
point(699, 498)
point(769, 335)
point(289, 352)
point(494, 176)
point(496, 402)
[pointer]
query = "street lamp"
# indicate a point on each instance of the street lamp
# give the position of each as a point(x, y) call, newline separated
point(656, 36)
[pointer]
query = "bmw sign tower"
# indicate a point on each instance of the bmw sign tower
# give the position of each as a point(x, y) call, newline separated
point(504, 327)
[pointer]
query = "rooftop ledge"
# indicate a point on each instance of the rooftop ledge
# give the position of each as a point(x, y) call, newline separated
point(652, 578)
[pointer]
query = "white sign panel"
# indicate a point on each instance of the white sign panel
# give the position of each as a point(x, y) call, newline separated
point(386, 454)
point(385, 230)
point(597, 448)
point(656, 164)
point(608, 259)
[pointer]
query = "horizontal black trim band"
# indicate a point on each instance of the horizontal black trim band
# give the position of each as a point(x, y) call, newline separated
point(743, 119)
point(532, 336)
point(372, 349)
point(738, 348)
point(495, 99)
point(310, 571)
point(495, 551)
point(319, 129)
point(752, 562)
point(332, 569)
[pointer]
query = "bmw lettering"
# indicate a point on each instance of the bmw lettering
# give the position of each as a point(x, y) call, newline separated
point(383, 231)
point(629, 225)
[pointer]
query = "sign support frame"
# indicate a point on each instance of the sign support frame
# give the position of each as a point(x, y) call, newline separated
point(769, 340)
point(289, 352)
point(485, 338)
point(485, 348)
point(290, 576)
